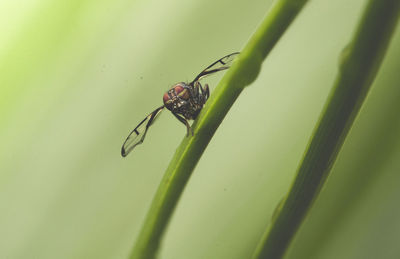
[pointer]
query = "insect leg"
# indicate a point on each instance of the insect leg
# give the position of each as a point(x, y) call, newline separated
point(184, 121)
point(206, 91)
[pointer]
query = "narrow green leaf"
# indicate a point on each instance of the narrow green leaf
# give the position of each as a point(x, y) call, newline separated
point(358, 67)
point(243, 71)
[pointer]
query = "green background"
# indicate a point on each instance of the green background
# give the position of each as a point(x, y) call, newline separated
point(76, 76)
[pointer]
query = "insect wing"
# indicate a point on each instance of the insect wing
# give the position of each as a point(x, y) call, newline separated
point(137, 135)
point(219, 65)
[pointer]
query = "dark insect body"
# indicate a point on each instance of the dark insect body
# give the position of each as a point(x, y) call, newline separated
point(184, 100)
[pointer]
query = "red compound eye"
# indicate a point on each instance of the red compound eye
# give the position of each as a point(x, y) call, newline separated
point(182, 92)
point(166, 97)
point(178, 89)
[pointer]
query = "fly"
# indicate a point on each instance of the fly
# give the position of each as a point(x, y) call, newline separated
point(184, 100)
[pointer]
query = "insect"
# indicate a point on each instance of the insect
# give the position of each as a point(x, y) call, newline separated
point(184, 100)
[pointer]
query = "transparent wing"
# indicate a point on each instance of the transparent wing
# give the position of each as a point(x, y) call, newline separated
point(137, 135)
point(219, 65)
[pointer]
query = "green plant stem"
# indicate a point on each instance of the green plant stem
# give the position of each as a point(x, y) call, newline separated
point(358, 67)
point(243, 71)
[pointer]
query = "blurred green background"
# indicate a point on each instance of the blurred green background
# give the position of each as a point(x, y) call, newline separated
point(76, 76)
